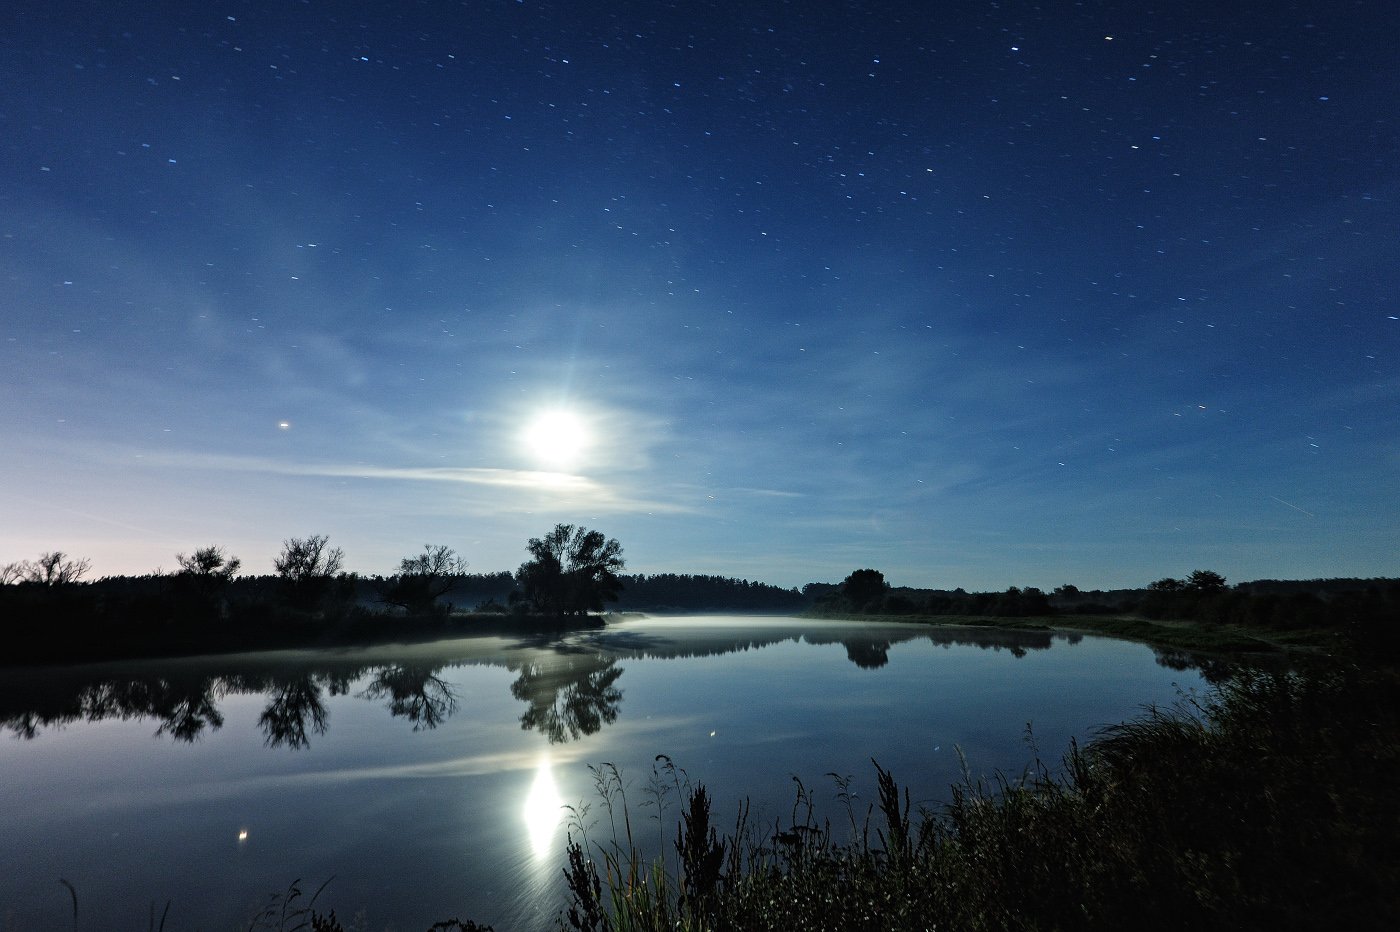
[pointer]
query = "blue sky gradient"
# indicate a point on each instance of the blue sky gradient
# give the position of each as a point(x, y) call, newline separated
point(976, 294)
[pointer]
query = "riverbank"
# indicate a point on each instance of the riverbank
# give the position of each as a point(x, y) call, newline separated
point(76, 638)
point(96, 639)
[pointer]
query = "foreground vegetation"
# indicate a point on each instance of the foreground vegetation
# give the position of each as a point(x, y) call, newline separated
point(1271, 805)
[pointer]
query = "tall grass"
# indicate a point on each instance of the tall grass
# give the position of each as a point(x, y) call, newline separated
point(1270, 805)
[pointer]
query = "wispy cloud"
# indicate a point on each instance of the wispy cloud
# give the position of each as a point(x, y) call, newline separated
point(566, 487)
point(761, 493)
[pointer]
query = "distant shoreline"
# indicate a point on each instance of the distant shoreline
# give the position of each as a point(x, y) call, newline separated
point(80, 643)
point(1180, 635)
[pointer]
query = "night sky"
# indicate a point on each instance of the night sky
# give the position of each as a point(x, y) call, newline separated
point(977, 294)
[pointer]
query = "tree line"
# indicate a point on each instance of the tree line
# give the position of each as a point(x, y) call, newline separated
point(1367, 612)
point(574, 572)
point(51, 613)
point(662, 592)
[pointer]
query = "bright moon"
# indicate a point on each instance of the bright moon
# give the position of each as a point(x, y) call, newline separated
point(556, 438)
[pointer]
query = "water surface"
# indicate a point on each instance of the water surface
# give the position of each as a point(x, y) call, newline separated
point(429, 780)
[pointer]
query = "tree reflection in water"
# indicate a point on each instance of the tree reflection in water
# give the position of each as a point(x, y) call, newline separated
point(570, 695)
point(867, 653)
point(569, 683)
point(293, 703)
point(415, 693)
point(185, 707)
point(186, 704)
point(1212, 670)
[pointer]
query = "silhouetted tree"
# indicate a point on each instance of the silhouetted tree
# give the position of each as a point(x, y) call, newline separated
point(306, 568)
point(573, 571)
point(423, 579)
point(1166, 585)
point(863, 587)
point(51, 569)
point(1205, 581)
point(207, 571)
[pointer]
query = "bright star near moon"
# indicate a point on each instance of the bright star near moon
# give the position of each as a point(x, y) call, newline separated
point(556, 438)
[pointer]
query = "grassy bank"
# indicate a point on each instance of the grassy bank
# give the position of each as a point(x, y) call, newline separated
point(1195, 636)
point(1270, 806)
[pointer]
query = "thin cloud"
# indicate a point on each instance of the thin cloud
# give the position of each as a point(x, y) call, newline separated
point(761, 493)
point(579, 490)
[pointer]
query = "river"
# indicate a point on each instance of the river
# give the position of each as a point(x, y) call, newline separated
point(422, 782)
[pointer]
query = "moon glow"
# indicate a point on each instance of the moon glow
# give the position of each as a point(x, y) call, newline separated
point(556, 438)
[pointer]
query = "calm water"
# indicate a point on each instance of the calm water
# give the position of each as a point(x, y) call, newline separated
point(429, 780)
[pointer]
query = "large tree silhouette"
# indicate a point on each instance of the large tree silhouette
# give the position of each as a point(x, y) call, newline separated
point(863, 589)
point(307, 567)
point(205, 575)
point(573, 571)
point(51, 569)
